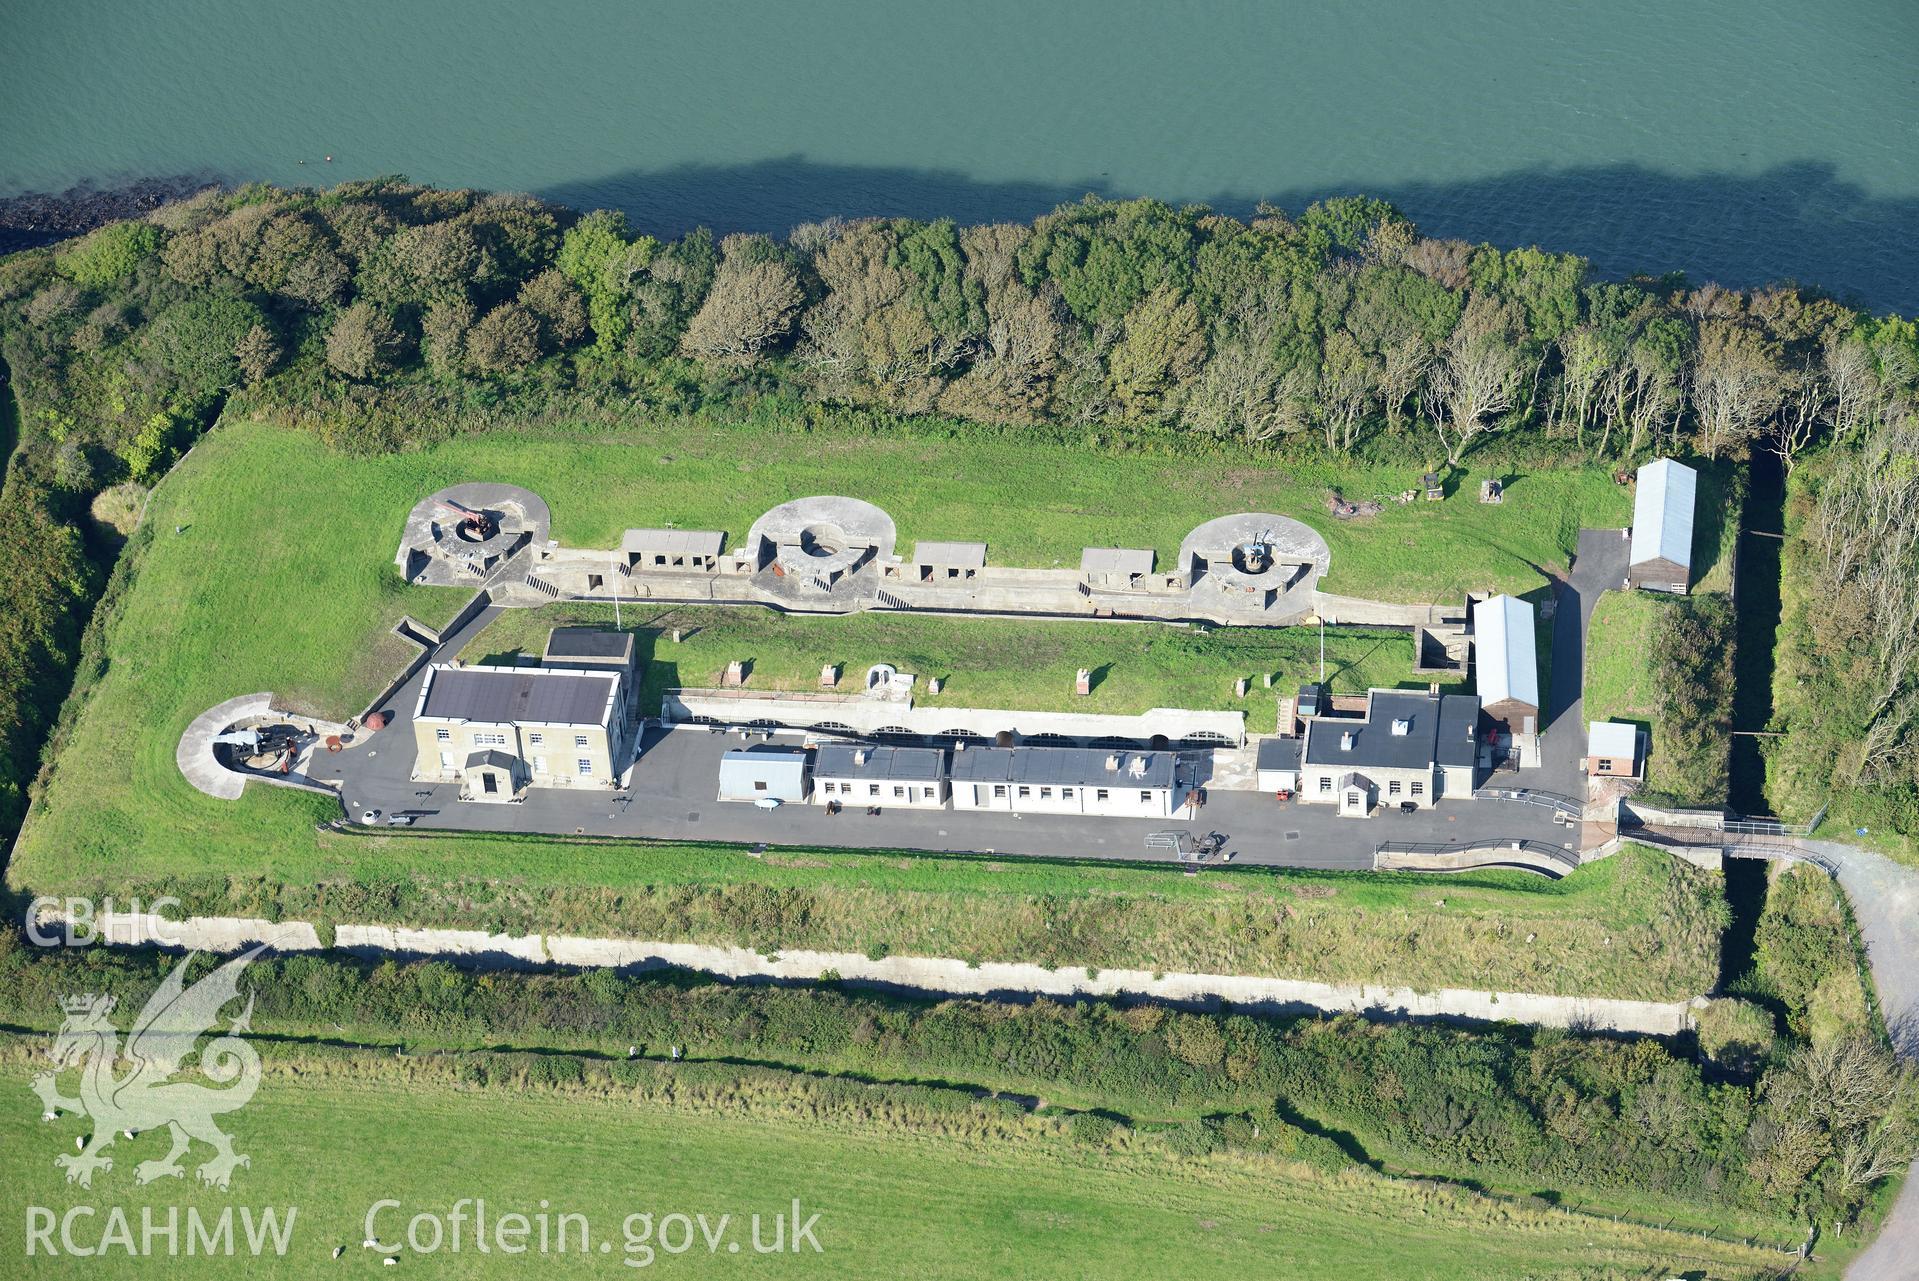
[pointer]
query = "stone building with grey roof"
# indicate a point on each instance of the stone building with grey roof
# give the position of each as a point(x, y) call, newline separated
point(864, 774)
point(499, 730)
point(1068, 780)
point(1409, 748)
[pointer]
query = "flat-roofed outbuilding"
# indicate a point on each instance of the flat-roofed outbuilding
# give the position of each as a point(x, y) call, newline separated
point(673, 549)
point(935, 562)
point(589, 647)
point(1612, 749)
point(1115, 566)
point(763, 773)
point(1277, 761)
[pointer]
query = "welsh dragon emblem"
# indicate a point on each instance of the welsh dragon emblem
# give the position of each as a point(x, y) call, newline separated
point(143, 1096)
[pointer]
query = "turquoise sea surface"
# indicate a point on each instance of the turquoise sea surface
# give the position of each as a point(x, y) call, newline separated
point(1741, 140)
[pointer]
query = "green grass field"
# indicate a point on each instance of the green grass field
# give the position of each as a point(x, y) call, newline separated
point(279, 578)
point(1619, 681)
point(984, 662)
point(965, 1198)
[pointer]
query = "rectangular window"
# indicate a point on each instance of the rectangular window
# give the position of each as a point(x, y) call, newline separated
point(872, 789)
point(1392, 788)
point(1101, 794)
point(443, 735)
point(1352, 799)
point(1066, 793)
point(1325, 783)
point(1604, 766)
point(586, 766)
point(489, 740)
point(928, 793)
point(759, 785)
point(999, 791)
point(898, 792)
point(1419, 789)
point(1046, 793)
point(1145, 795)
point(579, 740)
point(536, 739)
point(1025, 792)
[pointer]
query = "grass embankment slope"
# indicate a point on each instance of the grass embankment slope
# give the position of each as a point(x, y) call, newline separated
point(1637, 926)
point(983, 663)
point(961, 1190)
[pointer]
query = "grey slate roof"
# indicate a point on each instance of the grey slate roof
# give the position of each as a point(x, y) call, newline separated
point(897, 764)
point(1458, 730)
point(528, 695)
point(492, 756)
point(588, 642)
point(1437, 732)
point(1070, 766)
point(1279, 753)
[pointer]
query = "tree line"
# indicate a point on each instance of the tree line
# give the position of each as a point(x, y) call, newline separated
point(384, 313)
point(1341, 329)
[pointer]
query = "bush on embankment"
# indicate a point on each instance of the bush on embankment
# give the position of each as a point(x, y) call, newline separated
point(1514, 1105)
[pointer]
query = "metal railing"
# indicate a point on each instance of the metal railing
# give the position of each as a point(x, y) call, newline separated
point(1529, 796)
point(1539, 849)
point(1771, 846)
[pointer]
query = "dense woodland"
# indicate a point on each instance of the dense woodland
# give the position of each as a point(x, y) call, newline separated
point(382, 313)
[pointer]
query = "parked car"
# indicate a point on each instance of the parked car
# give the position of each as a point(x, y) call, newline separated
point(399, 820)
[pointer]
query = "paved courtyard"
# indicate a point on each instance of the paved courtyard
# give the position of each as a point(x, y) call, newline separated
point(670, 791)
point(672, 787)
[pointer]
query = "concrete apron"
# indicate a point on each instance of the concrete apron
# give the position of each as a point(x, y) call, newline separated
point(932, 975)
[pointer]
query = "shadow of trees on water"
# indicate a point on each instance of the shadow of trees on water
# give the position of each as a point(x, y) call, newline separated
point(1798, 221)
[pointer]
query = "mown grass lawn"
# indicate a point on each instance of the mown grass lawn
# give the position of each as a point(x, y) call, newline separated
point(891, 1200)
point(1619, 679)
point(983, 662)
point(269, 568)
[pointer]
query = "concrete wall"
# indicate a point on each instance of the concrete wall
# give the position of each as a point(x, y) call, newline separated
point(931, 974)
point(868, 716)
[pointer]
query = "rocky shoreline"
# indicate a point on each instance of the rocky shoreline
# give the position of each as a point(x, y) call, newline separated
point(41, 218)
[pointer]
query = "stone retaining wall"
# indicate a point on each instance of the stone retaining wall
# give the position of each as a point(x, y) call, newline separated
point(939, 975)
